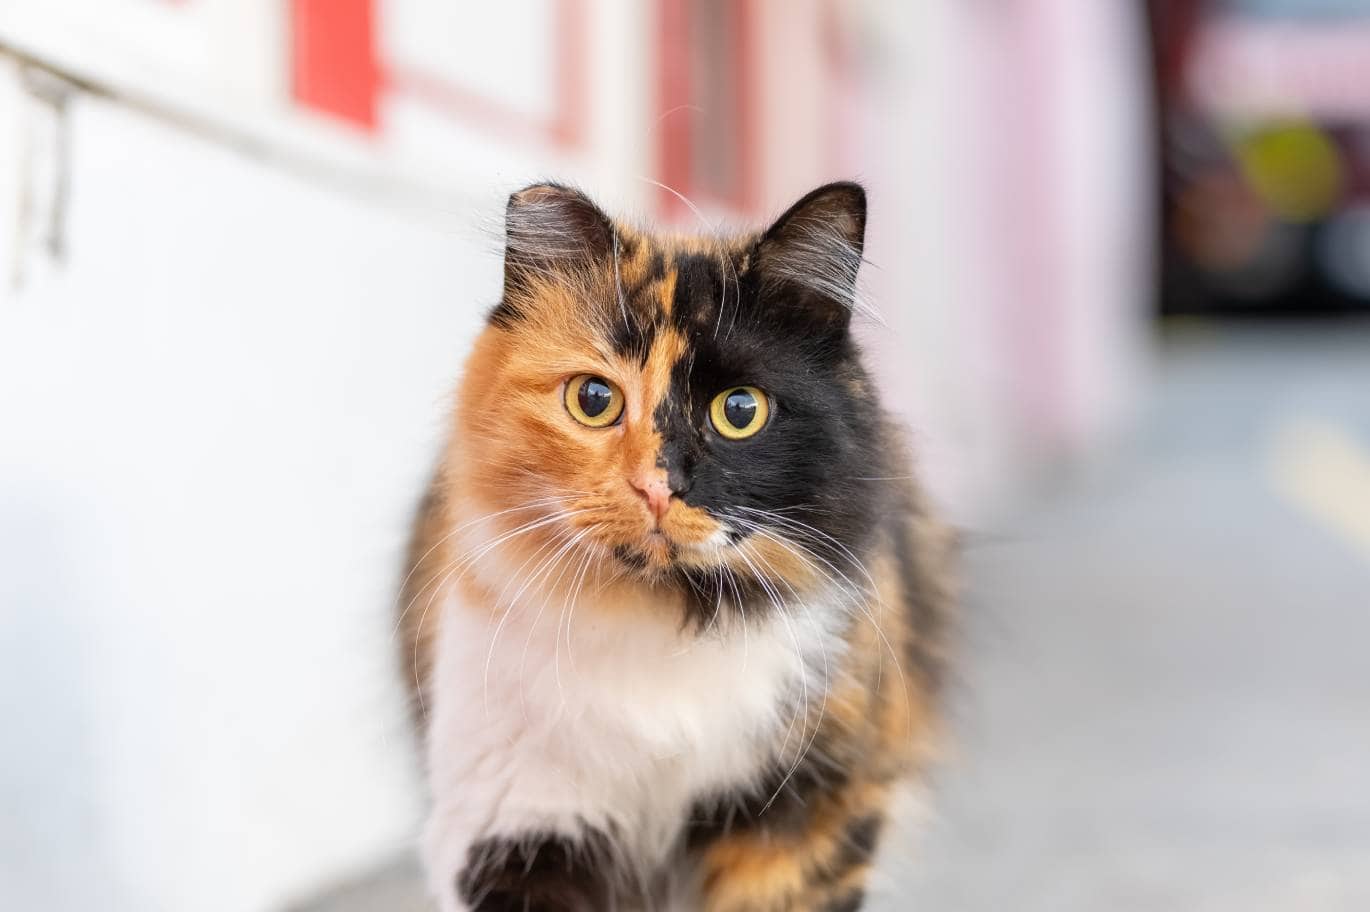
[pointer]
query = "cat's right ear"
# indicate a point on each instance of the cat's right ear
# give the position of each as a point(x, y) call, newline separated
point(552, 231)
point(813, 252)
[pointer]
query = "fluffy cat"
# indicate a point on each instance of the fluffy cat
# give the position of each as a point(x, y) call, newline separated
point(675, 613)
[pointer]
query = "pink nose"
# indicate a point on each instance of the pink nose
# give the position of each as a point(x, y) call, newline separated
point(652, 485)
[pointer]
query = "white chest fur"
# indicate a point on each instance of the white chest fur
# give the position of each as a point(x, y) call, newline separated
point(540, 726)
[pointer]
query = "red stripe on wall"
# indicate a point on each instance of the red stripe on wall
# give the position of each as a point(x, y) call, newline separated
point(745, 196)
point(334, 69)
point(673, 100)
point(571, 66)
point(681, 119)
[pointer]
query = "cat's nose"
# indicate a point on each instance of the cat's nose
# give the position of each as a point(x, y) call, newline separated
point(654, 488)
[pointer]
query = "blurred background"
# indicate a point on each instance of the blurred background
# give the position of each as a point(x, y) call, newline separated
point(1122, 253)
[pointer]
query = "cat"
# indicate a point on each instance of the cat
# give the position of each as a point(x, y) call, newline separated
point(676, 616)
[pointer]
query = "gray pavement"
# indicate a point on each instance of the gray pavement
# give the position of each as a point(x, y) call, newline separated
point(1165, 698)
point(1166, 702)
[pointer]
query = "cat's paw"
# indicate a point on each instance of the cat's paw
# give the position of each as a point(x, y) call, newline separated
point(537, 872)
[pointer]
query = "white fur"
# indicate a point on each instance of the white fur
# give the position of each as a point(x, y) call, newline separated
point(619, 725)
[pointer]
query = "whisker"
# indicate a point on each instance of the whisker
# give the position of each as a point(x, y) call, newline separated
point(552, 563)
point(463, 563)
point(776, 602)
point(514, 600)
point(618, 285)
point(468, 556)
point(531, 505)
point(572, 595)
point(859, 603)
point(827, 684)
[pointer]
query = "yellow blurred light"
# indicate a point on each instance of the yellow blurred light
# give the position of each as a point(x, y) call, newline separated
point(1295, 169)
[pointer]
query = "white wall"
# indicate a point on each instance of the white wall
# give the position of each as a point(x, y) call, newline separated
point(216, 411)
point(1010, 252)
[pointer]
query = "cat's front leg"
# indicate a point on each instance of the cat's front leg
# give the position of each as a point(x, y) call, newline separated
point(511, 867)
point(516, 825)
point(537, 872)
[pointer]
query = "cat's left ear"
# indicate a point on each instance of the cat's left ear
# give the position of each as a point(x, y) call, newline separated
point(552, 230)
point(814, 251)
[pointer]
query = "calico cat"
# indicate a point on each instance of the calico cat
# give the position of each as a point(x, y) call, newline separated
point(675, 616)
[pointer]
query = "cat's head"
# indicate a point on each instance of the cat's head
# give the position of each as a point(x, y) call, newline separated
point(690, 410)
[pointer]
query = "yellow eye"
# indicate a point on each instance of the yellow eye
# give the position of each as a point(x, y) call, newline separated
point(739, 412)
point(593, 401)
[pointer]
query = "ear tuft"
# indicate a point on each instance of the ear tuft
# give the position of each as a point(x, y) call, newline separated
point(815, 249)
point(550, 227)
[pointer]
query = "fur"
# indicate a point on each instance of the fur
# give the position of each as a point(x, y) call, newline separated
point(706, 710)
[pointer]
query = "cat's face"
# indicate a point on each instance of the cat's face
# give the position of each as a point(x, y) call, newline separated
point(676, 406)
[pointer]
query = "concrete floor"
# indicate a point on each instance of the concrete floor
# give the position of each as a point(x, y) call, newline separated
point(1167, 693)
point(1165, 701)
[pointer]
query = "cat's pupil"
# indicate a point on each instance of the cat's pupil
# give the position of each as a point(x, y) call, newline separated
point(739, 408)
point(594, 397)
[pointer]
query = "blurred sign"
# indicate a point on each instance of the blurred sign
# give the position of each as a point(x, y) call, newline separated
point(1274, 68)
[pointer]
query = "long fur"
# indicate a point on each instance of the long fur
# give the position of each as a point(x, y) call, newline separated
point(709, 710)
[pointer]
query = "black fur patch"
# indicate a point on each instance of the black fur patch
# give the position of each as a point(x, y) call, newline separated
point(806, 475)
point(781, 803)
point(504, 314)
point(921, 605)
point(634, 334)
point(851, 902)
point(708, 595)
point(859, 842)
point(539, 873)
point(635, 560)
point(655, 271)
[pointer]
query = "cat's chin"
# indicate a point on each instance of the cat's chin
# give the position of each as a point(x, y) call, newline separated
point(657, 556)
point(652, 555)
